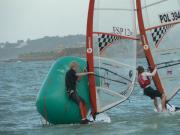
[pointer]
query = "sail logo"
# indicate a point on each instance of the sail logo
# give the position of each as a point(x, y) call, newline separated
point(158, 33)
point(89, 49)
point(122, 31)
point(106, 40)
point(169, 17)
point(169, 72)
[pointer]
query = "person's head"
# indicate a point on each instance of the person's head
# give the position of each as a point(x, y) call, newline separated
point(73, 65)
point(140, 69)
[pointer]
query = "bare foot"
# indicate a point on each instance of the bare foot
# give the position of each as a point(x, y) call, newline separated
point(158, 110)
point(164, 110)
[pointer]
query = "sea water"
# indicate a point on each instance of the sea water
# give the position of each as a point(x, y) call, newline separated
point(20, 83)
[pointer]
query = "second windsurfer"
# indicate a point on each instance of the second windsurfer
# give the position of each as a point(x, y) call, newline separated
point(145, 83)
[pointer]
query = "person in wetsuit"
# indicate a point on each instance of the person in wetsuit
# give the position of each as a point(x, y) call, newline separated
point(71, 79)
point(145, 83)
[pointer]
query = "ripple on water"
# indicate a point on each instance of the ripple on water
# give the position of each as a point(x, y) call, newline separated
point(20, 83)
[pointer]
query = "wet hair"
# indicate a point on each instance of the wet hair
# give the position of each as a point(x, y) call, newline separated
point(140, 69)
point(73, 64)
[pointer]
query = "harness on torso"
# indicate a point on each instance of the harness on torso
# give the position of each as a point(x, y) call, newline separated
point(144, 81)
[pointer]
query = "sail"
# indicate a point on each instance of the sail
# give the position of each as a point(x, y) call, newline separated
point(159, 28)
point(111, 52)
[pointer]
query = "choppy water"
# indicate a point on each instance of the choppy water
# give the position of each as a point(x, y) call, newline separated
point(20, 83)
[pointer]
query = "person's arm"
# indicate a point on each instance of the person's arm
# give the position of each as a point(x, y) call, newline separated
point(80, 75)
point(151, 74)
point(84, 73)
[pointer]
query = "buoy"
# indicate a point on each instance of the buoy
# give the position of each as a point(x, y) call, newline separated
point(52, 101)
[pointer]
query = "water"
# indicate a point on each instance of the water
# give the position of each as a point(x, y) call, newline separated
point(20, 83)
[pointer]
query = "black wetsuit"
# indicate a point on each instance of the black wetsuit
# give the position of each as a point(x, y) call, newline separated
point(149, 91)
point(70, 80)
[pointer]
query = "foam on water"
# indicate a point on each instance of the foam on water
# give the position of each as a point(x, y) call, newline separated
point(100, 118)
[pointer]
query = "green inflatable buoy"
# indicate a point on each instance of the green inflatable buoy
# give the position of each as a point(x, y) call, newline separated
point(53, 102)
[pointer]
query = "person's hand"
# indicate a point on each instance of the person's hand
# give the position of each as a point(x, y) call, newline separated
point(155, 67)
point(91, 73)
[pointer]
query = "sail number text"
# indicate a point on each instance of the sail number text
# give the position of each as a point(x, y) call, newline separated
point(170, 17)
point(122, 31)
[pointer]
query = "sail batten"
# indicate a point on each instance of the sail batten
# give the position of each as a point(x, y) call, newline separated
point(166, 24)
point(167, 50)
point(114, 9)
point(155, 3)
point(117, 63)
point(117, 35)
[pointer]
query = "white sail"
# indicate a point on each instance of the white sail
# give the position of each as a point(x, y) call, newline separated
point(114, 51)
point(161, 21)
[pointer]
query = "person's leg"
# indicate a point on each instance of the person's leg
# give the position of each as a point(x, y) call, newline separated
point(163, 102)
point(153, 94)
point(156, 104)
point(81, 103)
point(83, 110)
point(84, 106)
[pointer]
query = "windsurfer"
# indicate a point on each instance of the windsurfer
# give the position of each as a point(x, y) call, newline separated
point(71, 78)
point(145, 82)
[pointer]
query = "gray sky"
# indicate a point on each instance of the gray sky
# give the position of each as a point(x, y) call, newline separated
point(22, 19)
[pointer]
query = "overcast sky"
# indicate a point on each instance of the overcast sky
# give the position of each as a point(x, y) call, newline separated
point(22, 19)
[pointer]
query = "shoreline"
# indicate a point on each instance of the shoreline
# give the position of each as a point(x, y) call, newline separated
point(53, 55)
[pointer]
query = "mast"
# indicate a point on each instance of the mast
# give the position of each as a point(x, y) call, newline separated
point(89, 55)
point(146, 46)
